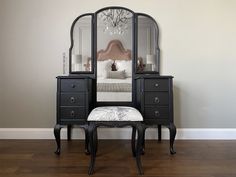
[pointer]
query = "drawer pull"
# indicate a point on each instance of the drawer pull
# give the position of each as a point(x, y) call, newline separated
point(157, 114)
point(72, 99)
point(156, 100)
point(156, 84)
point(73, 85)
point(72, 113)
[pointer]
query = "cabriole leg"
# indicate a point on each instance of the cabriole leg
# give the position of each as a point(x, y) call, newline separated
point(139, 148)
point(133, 141)
point(159, 132)
point(172, 130)
point(57, 134)
point(143, 141)
point(95, 138)
point(69, 127)
point(86, 140)
point(92, 142)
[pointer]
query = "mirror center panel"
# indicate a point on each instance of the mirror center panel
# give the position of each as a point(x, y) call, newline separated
point(114, 55)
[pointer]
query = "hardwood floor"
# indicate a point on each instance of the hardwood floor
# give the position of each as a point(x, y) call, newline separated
point(36, 158)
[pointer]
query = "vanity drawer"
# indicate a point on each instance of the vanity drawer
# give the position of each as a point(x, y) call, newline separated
point(72, 112)
point(156, 113)
point(156, 85)
point(73, 85)
point(72, 99)
point(156, 98)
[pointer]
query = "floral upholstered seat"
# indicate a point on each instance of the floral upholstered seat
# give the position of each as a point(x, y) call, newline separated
point(115, 113)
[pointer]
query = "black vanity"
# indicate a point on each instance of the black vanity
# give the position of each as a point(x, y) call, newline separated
point(114, 59)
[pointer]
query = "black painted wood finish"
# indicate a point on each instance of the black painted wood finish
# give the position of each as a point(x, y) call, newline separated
point(155, 102)
point(136, 147)
point(74, 102)
point(153, 98)
point(152, 94)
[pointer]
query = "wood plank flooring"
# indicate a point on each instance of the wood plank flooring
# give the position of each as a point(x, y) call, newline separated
point(36, 158)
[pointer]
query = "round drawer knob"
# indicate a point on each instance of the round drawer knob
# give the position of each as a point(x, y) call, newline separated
point(72, 113)
point(72, 99)
point(157, 114)
point(72, 85)
point(156, 100)
point(156, 84)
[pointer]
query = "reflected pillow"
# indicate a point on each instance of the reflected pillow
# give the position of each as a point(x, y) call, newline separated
point(103, 67)
point(125, 65)
point(116, 74)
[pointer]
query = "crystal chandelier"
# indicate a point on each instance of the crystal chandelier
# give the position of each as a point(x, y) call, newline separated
point(115, 20)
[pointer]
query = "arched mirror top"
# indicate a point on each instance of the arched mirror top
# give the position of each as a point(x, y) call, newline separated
point(114, 20)
point(152, 20)
point(114, 7)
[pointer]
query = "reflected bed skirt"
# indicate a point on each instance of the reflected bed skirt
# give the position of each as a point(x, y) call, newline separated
point(114, 96)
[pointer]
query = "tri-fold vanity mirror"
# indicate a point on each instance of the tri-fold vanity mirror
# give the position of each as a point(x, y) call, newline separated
point(114, 60)
point(114, 44)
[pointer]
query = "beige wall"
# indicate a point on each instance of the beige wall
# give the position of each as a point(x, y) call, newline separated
point(1, 67)
point(197, 41)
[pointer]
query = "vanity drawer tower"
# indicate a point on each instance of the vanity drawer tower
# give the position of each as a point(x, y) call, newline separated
point(155, 101)
point(74, 101)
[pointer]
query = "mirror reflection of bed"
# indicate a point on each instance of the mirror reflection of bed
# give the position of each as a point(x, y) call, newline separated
point(114, 73)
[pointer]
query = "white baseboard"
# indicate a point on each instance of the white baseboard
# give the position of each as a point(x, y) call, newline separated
point(124, 133)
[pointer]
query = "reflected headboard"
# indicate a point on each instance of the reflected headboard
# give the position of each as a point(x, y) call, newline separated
point(114, 51)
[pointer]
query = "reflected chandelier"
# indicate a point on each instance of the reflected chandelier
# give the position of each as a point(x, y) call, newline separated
point(115, 20)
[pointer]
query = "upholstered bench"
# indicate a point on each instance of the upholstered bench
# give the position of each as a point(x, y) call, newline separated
point(115, 116)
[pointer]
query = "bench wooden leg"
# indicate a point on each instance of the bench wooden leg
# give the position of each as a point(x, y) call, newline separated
point(133, 141)
point(136, 147)
point(92, 142)
point(139, 148)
